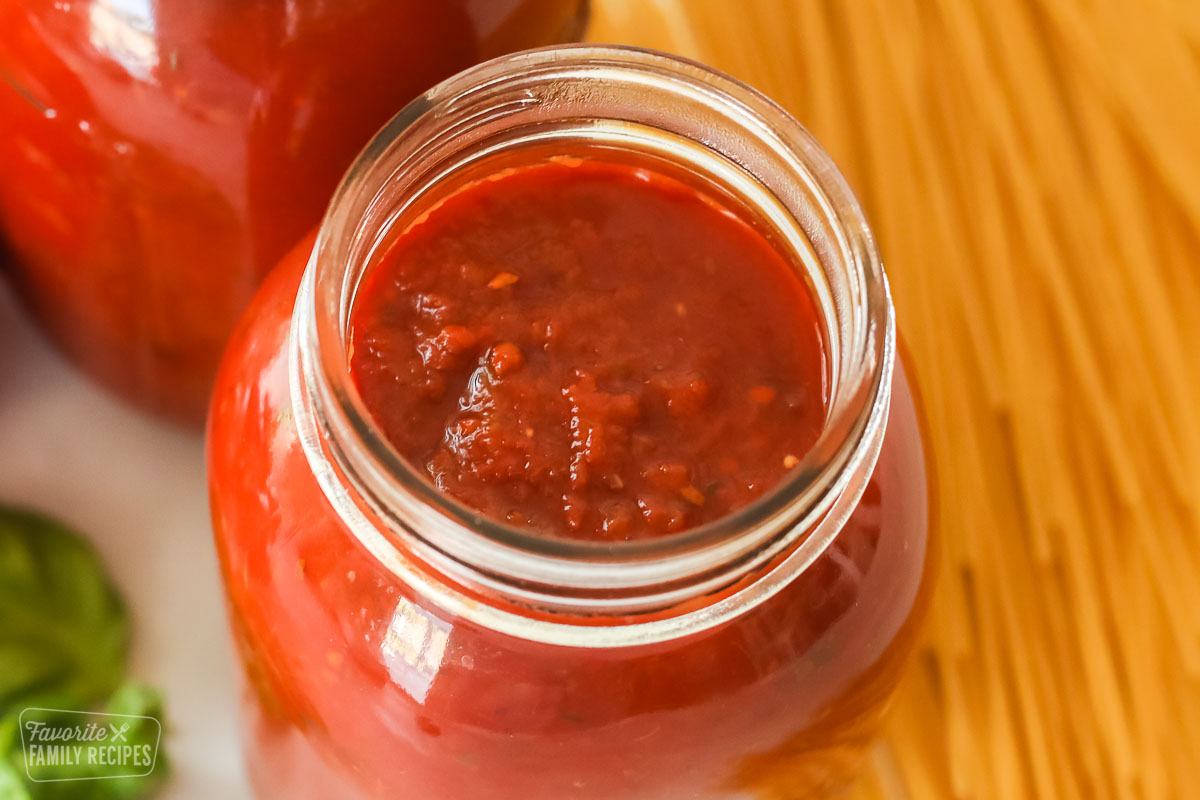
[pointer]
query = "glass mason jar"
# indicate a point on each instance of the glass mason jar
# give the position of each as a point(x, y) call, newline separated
point(396, 644)
point(158, 157)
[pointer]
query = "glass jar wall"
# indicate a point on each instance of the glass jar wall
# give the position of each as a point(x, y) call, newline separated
point(397, 645)
point(157, 157)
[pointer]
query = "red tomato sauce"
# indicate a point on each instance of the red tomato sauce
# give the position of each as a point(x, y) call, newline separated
point(591, 348)
point(777, 703)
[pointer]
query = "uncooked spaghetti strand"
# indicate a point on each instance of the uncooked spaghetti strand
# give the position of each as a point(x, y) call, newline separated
point(1009, 779)
point(1125, 197)
point(961, 779)
point(1004, 219)
point(885, 156)
point(1166, 128)
point(1045, 249)
point(1139, 641)
point(1091, 232)
point(1007, 583)
point(1016, 354)
point(920, 754)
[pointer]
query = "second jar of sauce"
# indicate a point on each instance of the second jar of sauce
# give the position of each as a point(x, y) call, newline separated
point(157, 157)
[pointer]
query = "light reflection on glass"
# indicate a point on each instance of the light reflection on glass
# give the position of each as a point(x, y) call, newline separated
point(125, 30)
point(413, 648)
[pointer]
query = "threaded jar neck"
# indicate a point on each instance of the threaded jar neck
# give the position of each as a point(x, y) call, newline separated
point(564, 100)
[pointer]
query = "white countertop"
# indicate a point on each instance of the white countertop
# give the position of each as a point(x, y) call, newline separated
point(136, 488)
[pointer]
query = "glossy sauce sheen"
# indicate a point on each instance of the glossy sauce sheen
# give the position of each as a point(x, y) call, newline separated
point(592, 349)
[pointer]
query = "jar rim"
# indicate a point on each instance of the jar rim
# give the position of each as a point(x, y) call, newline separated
point(386, 500)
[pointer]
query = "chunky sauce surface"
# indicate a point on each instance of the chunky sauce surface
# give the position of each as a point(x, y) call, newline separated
point(592, 349)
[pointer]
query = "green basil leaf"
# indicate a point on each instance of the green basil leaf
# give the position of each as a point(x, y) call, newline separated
point(12, 768)
point(64, 630)
point(64, 637)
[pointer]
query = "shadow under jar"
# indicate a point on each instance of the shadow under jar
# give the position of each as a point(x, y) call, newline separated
point(158, 157)
point(397, 643)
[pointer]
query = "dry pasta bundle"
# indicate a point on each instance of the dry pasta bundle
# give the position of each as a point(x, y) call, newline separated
point(1032, 171)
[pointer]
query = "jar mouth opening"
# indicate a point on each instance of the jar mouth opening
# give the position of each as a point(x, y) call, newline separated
point(794, 182)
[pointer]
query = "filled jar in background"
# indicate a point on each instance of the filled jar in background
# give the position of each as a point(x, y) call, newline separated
point(158, 157)
point(732, 637)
